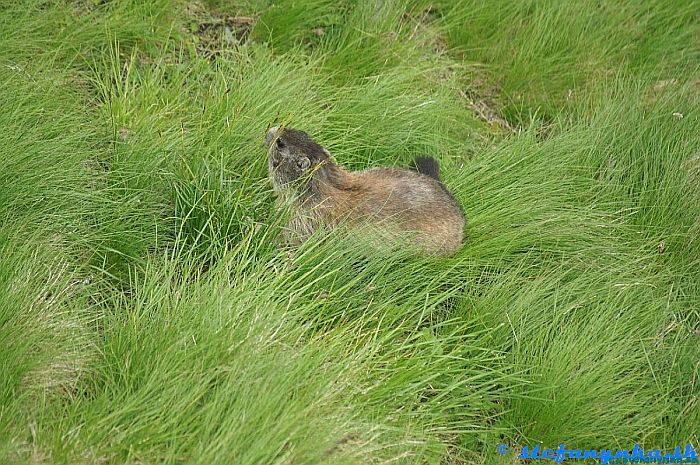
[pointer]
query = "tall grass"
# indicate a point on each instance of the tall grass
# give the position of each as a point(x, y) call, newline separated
point(149, 315)
point(544, 56)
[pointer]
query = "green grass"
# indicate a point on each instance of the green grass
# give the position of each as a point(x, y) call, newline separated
point(148, 315)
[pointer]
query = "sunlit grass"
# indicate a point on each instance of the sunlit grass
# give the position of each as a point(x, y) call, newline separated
point(149, 314)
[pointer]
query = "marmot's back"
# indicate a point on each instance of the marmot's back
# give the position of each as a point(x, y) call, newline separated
point(412, 201)
point(389, 197)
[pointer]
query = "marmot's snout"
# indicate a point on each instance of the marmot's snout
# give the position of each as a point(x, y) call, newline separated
point(275, 158)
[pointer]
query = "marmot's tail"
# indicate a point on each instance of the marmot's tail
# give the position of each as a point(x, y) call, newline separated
point(427, 166)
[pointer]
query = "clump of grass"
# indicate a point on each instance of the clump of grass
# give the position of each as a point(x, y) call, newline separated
point(263, 367)
point(63, 35)
point(46, 331)
point(546, 56)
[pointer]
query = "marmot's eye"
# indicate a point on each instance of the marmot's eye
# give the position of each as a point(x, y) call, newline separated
point(280, 144)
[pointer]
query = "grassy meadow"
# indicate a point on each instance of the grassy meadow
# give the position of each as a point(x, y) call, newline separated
point(147, 314)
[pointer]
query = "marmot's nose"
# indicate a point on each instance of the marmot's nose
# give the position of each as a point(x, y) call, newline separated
point(275, 158)
point(271, 135)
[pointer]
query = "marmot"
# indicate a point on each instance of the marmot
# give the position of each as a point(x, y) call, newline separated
point(323, 194)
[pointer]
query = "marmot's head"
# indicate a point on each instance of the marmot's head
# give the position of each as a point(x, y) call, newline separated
point(293, 156)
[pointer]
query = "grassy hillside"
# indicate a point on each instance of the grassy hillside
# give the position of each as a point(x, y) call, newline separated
point(148, 316)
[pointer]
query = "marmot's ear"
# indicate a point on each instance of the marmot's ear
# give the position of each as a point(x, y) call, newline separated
point(326, 152)
point(271, 133)
point(303, 163)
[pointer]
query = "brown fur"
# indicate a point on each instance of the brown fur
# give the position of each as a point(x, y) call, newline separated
point(324, 194)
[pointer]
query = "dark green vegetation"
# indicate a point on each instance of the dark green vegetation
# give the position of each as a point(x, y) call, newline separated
point(147, 316)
